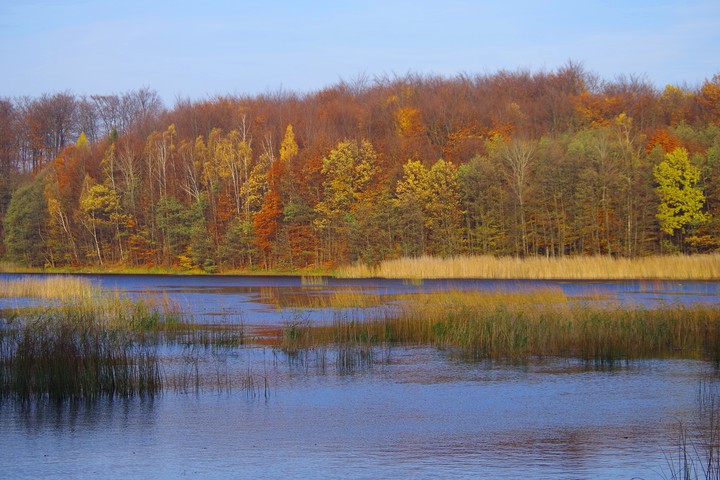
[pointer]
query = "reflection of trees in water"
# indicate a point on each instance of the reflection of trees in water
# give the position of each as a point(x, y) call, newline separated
point(69, 416)
point(301, 297)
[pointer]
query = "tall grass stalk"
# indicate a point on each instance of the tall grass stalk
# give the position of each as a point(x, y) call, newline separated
point(681, 267)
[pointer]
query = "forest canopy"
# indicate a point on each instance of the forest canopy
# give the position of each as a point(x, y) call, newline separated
point(512, 163)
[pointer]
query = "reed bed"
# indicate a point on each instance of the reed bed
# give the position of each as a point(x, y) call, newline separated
point(355, 298)
point(100, 346)
point(314, 280)
point(675, 267)
point(522, 325)
point(349, 298)
point(75, 353)
point(49, 287)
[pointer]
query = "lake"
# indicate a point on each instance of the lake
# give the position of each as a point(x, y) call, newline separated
point(411, 412)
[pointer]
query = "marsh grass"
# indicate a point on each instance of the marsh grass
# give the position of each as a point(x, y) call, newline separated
point(10, 267)
point(49, 287)
point(681, 267)
point(356, 298)
point(98, 346)
point(215, 337)
point(514, 325)
point(68, 354)
point(343, 344)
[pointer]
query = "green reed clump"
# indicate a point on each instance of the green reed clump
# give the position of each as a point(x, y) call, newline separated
point(351, 357)
point(73, 356)
point(297, 335)
point(85, 348)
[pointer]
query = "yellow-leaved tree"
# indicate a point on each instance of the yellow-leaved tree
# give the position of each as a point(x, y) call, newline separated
point(681, 200)
point(348, 171)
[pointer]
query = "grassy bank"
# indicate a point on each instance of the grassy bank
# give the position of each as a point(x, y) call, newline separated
point(676, 267)
point(6, 267)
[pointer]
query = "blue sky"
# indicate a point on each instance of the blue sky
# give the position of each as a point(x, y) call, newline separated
point(200, 49)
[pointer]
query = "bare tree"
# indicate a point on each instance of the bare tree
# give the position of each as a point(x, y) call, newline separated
point(108, 111)
point(46, 126)
point(86, 119)
point(518, 156)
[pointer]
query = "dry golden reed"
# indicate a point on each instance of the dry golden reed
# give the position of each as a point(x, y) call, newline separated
point(48, 286)
point(675, 267)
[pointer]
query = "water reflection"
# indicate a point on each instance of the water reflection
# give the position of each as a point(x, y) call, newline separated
point(421, 414)
point(37, 416)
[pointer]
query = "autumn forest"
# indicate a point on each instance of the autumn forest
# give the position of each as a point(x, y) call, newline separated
point(515, 163)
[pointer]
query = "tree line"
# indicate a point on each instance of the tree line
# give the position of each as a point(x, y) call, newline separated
point(512, 163)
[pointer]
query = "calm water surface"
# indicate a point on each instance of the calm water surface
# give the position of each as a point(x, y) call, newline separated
point(412, 413)
point(418, 415)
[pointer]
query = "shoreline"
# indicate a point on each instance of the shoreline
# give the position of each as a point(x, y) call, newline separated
point(601, 268)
